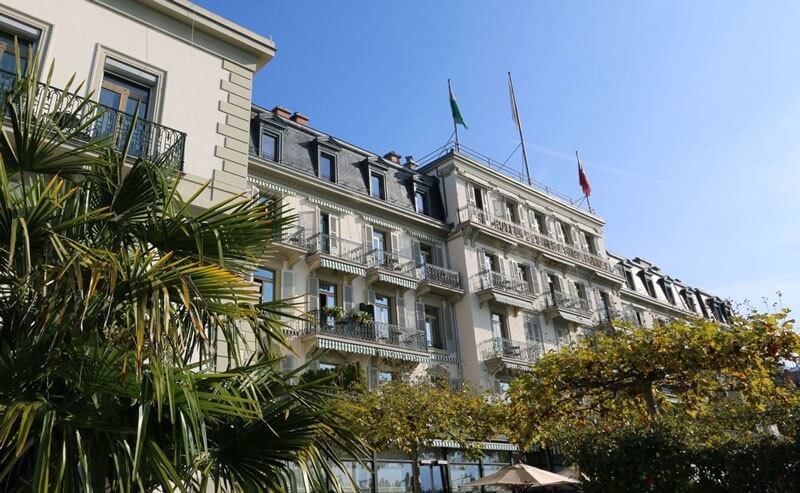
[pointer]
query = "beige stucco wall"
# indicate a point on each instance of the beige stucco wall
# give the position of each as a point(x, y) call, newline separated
point(204, 87)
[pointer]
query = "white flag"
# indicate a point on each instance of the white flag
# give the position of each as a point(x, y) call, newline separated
point(514, 112)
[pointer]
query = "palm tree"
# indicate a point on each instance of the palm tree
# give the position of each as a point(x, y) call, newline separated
point(115, 294)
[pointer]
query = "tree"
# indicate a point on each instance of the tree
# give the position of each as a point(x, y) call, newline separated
point(115, 293)
point(408, 417)
point(646, 403)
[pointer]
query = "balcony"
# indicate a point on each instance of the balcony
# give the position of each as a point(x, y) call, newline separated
point(441, 281)
point(497, 288)
point(392, 269)
point(292, 243)
point(512, 233)
point(148, 140)
point(506, 355)
point(337, 254)
point(559, 305)
point(374, 339)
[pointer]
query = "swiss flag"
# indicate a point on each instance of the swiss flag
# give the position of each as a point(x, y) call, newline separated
point(582, 179)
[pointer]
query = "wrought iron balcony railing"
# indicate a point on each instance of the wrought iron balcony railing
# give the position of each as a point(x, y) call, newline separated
point(376, 332)
point(335, 247)
point(516, 231)
point(294, 236)
point(440, 275)
point(561, 301)
point(494, 280)
point(148, 139)
point(499, 347)
point(393, 262)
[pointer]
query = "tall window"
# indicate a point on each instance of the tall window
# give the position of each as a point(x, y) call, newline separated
point(8, 51)
point(421, 202)
point(269, 146)
point(491, 263)
point(511, 211)
point(566, 232)
point(541, 223)
point(327, 299)
point(478, 196)
point(327, 167)
point(499, 328)
point(629, 280)
point(266, 278)
point(605, 308)
point(523, 274)
point(433, 330)
point(382, 313)
point(425, 254)
point(377, 186)
point(553, 283)
point(590, 242)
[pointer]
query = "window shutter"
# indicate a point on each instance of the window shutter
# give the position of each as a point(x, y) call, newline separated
point(401, 311)
point(334, 229)
point(501, 263)
point(534, 274)
point(486, 203)
point(370, 297)
point(533, 221)
point(471, 194)
point(395, 242)
point(347, 295)
point(481, 261)
point(415, 252)
point(449, 328)
point(420, 309)
point(368, 237)
point(312, 294)
point(499, 206)
point(576, 240)
point(438, 255)
point(521, 214)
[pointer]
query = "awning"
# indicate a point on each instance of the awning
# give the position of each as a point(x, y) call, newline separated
point(348, 347)
point(573, 317)
point(332, 264)
point(483, 445)
point(397, 280)
point(403, 355)
point(516, 366)
point(512, 301)
point(449, 358)
point(558, 258)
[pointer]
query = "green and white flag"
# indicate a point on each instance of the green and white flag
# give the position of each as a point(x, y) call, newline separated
point(457, 118)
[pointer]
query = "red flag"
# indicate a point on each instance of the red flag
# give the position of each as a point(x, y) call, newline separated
point(582, 179)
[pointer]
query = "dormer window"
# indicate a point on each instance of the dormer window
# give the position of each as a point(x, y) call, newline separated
point(269, 146)
point(327, 167)
point(421, 202)
point(377, 185)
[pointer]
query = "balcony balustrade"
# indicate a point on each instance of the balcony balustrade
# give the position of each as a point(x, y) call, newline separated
point(501, 354)
point(572, 309)
point(335, 247)
point(496, 281)
point(443, 277)
point(517, 232)
point(373, 333)
point(295, 237)
point(148, 140)
point(393, 262)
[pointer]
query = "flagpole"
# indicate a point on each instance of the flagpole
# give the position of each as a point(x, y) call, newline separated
point(519, 127)
point(580, 167)
point(455, 125)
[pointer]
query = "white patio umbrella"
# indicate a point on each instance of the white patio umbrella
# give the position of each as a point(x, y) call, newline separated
point(523, 476)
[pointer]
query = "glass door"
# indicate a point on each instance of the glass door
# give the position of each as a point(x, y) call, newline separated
point(382, 315)
point(379, 247)
point(125, 100)
point(433, 478)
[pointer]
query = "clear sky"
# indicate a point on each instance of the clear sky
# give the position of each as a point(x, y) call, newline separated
point(686, 114)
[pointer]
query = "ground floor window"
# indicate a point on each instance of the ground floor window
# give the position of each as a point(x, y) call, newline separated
point(394, 477)
point(360, 475)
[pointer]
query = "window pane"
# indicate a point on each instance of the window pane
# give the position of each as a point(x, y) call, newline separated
point(461, 474)
point(267, 278)
point(394, 477)
point(422, 202)
point(110, 98)
point(359, 474)
point(326, 170)
point(376, 186)
point(269, 146)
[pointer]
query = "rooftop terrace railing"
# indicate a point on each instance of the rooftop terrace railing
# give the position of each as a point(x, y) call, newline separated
point(149, 140)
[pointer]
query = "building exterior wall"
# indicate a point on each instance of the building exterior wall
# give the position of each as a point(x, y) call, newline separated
point(203, 78)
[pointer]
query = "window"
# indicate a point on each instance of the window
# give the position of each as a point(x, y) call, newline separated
point(267, 279)
point(433, 330)
point(128, 98)
point(553, 283)
point(523, 274)
point(590, 242)
point(605, 308)
point(541, 222)
point(667, 288)
point(8, 53)
point(327, 295)
point(125, 95)
point(478, 196)
point(566, 232)
point(327, 366)
point(269, 146)
point(629, 280)
point(581, 290)
point(499, 328)
point(382, 311)
point(385, 376)
point(421, 202)
point(425, 254)
point(376, 186)
point(491, 263)
point(511, 212)
point(358, 472)
point(647, 282)
point(327, 167)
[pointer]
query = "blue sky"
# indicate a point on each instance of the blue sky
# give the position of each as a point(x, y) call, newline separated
point(686, 114)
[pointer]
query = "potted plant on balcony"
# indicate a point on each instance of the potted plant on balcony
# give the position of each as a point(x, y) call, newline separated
point(334, 312)
point(360, 317)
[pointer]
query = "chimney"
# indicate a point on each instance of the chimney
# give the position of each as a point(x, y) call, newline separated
point(410, 163)
point(392, 156)
point(281, 112)
point(300, 118)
